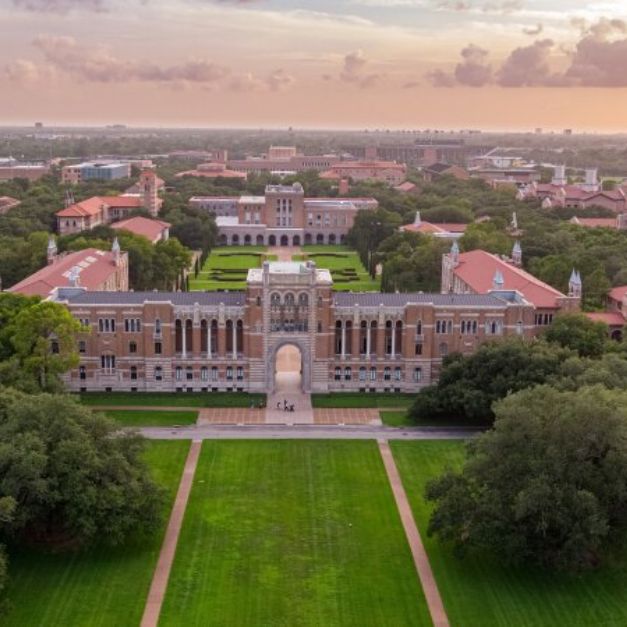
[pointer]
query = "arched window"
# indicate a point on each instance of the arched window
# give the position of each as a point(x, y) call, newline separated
point(275, 299)
point(178, 336)
point(303, 300)
point(289, 299)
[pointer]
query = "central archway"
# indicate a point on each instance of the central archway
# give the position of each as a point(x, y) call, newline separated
point(288, 370)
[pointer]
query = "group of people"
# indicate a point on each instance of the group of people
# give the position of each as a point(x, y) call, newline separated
point(286, 406)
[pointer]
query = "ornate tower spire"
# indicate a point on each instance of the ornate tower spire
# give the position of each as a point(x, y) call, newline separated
point(574, 284)
point(517, 254)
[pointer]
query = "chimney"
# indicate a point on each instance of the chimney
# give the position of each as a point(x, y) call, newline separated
point(51, 253)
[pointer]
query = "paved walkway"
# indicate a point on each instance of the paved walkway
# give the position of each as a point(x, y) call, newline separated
point(421, 559)
point(284, 253)
point(305, 432)
point(346, 416)
point(231, 416)
point(168, 548)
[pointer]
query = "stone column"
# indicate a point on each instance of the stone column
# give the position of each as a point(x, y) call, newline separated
point(343, 339)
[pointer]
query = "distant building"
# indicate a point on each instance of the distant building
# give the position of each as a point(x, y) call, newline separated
point(12, 169)
point(91, 269)
point(407, 188)
point(440, 230)
point(559, 193)
point(437, 170)
point(153, 230)
point(619, 222)
point(283, 160)
point(282, 217)
point(95, 171)
point(480, 272)
point(518, 176)
point(388, 172)
point(7, 203)
point(213, 170)
point(615, 315)
point(97, 210)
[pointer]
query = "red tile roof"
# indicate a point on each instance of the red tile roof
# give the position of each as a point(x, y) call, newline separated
point(618, 293)
point(89, 207)
point(123, 201)
point(610, 318)
point(150, 229)
point(477, 268)
point(434, 227)
point(96, 267)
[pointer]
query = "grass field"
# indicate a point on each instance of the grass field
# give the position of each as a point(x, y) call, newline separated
point(291, 534)
point(226, 268)
point(480, 591)
point(102, 587)
point(346, 268)
point(143, 418)
point(396, 419)
point(362, 400)
point(172, 399)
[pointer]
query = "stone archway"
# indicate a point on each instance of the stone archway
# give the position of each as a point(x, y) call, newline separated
point(288, 356)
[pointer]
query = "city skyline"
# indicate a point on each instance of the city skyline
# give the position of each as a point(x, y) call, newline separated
point(359, 63)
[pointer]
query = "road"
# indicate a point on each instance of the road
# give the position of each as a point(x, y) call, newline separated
point(304, 432)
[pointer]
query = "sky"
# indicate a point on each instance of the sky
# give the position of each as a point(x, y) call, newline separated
point(454, 64)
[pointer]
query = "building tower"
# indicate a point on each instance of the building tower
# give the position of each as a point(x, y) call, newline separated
point(559, 177)
point(574, 284)
point(51, 253)
point(115, 249)
point(148, 186)
point(591, 183)
point(517, 254)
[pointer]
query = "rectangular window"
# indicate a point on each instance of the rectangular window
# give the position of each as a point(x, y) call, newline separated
point(82, 347)
point(158, 348)
point(417, 374)
point(229, 373)
point(240, 373)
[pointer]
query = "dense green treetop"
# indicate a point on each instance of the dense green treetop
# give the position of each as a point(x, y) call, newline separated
point(579, 333)
point(547, 485)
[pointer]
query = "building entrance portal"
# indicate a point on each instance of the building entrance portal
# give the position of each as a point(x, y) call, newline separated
point(288, 370)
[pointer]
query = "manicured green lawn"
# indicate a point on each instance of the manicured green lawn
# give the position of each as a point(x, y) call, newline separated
point(362, 400)
point(226, 268)
point(103, 587)
point(346, 268)
point(173, 399)
point(143, 418)
point(396, 419)
point(480, 591)
point(292, 534)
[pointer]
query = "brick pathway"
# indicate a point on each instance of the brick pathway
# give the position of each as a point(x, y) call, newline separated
point(421, 559)
point(284, 253)
point(168, 548)
point(231, 416)
point(346, 416)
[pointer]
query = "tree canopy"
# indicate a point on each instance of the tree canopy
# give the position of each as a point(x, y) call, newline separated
point(579, 333)
point(547, 485)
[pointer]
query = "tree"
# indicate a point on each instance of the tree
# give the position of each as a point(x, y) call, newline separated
point(579, 333)
point(469, 385)
point(76, 479)
point(44, 339)
point(547, 485)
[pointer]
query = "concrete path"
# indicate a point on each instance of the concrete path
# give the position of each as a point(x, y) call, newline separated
point(305, 432)
point(284, 253)
point(168, 548)
point(421, 559)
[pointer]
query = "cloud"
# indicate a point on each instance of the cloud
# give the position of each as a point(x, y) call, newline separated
point(528, 66)
point(23, 72)
point(474, 71)
point(278, 80)
point(533, 31)
point(59, 6)
point(95, 64)
point(471, 6)
point(598, 60)
point(353, 70)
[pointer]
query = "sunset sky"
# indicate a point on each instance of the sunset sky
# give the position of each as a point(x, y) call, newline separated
point(494, 64)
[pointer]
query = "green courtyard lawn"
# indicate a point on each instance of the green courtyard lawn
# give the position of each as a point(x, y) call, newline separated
point(171, 399)
point(101, 587)
point(396, 419)
point(480, 591)
point(362, 400)
point(346, 268)
point(292, 533)
point(147, 418)
point(226, 268)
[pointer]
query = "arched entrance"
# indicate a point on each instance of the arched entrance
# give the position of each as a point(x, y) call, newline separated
point(296, 240)
point(288, 370)
point(285, 240)
point(272, 240)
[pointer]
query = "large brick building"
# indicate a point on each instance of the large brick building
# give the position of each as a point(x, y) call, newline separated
point(282, 217)
point(203, 341)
